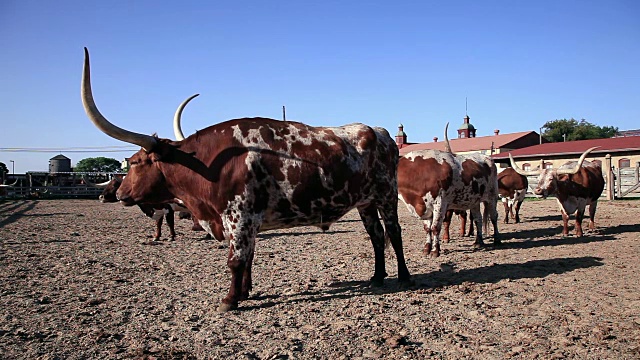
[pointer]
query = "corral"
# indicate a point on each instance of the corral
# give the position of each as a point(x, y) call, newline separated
point(79, 280)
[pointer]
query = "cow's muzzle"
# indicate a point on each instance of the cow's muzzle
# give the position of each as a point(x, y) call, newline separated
point(540, 192)
point(126, 201)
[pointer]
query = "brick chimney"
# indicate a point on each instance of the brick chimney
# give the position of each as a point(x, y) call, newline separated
point(496, 132)
point(435, 139)
point(401, 136)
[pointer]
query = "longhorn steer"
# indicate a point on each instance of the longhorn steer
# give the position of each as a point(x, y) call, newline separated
point(575, 185)
point(248, 175)
point(430, 182)
point(512, 187)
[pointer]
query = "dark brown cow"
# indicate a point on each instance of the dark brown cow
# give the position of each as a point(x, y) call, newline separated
point(155, 212)
point(248, 175)
point(512, 188)
point(574, 184)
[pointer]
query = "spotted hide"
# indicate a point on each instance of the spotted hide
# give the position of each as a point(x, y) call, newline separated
point(430, 182)
point(243, 176)
point(575, 185)
point(512, 188)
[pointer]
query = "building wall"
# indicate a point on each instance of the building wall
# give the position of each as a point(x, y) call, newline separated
point(557, 161)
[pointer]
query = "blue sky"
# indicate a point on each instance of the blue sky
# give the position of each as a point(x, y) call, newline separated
point(520, 64)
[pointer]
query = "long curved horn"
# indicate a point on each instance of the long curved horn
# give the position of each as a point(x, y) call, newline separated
point(99, 186)
point(9, 185)
point(578, 165)
point(177, 129)
point(447, 146)
point(520, 171)
point(145, 141)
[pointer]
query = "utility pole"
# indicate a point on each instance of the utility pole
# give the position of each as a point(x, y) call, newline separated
point(13, 167)
point(284, 114)
point(540, 135)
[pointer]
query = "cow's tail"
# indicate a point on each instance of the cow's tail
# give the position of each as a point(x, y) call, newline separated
point(387, 240)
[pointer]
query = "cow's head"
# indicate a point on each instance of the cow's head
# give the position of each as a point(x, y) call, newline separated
point(145, 181)
point(548, 178)
point(109, 193)
point(110, 187)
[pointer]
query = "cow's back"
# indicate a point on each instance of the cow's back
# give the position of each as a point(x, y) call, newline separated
point(303, 175)
point(509, 181)
point(589, 181)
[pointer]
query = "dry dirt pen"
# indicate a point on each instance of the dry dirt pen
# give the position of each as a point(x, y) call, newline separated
point(77, 281)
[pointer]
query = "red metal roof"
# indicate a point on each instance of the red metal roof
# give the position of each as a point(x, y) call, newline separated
point(629, 143)
point(470, 144)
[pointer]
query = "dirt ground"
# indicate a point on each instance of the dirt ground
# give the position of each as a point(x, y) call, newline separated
point(79, 279)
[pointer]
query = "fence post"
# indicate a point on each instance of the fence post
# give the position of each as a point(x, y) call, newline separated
point(638, 172)
point(609, 177)
point(619, 182)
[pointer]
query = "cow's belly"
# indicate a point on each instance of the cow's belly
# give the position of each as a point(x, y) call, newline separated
point(322, 217)
point(423, 208)
point(572, 204)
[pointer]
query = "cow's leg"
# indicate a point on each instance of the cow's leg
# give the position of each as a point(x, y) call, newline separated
point(579, 217)
point(389, 214)
point(241, 248)
point(170, 222)
point(491, 210)
point(462, 215)
point(158, 232)
point(471, 224)
point(592, 215)
point(196, 224)
point(565, 223)
point(517, 210)
point(507, 210)
point(476, 216)
point(246, 278)
point(445, 226)
point(369, 216)
point(428, 245)
point(436, 226)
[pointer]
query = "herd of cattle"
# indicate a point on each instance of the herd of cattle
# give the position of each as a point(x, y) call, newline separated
point(243, 176)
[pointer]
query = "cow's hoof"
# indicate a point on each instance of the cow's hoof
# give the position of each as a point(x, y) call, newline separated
point(479, 245)
point(377, 280)
point(434, 254)
point(224, 307)
point(427, 249)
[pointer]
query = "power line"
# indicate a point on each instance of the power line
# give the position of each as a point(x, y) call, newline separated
point(74, 149)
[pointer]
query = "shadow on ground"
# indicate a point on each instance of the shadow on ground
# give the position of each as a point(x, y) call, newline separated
point(432, 280)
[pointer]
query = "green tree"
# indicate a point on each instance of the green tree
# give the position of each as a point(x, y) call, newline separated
point(556, 130)
point(3, 170)
point(97, 164)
